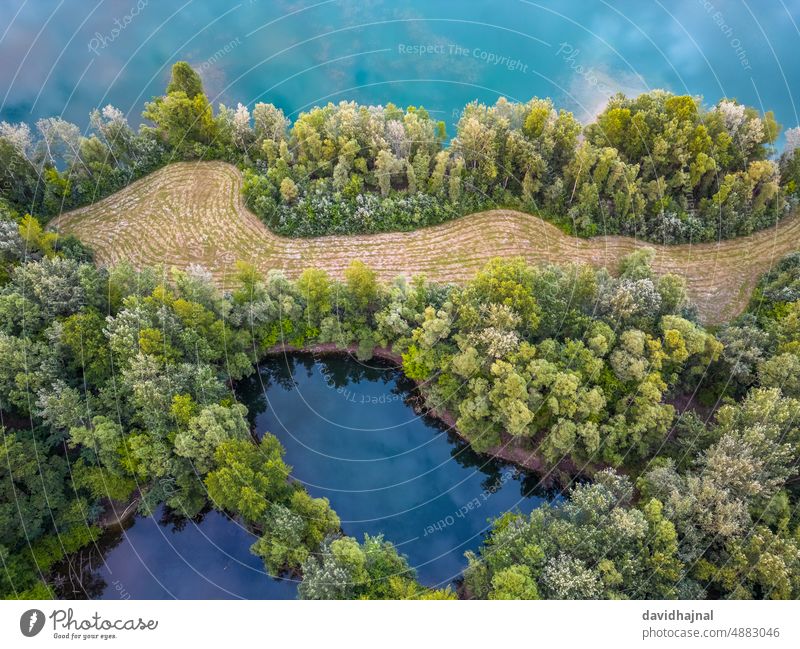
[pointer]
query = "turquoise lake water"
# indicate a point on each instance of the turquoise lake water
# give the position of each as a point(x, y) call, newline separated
point(68, 56)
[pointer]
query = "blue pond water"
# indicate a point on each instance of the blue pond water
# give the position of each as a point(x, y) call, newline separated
point(68, 56)
point(209, 558)
point(352, 435)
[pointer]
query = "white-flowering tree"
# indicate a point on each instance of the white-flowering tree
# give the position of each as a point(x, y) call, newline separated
point(19, 135)
point(60, 142)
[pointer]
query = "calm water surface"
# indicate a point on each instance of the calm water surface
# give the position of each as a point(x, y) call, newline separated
point(68, 56)
point(351, 435)
point(163, 557)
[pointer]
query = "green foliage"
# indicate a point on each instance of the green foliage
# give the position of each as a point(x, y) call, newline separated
point(294, 530)
point(134, 400)
point(248, 477)
point(55, 168)
point(530, 352)
point(125, 378)
point(506, 283)
point(724, 505)
point(714, 520)
point(185, 79)
point(41, 519)
point(85, 346)
point(208, 431)
point(315, 287)
point(659, 166)
point(762, 565)
point(183, 118)
point(29, 489)
point(51, 549)
point(594, 546)
point(514, 582)
point(678, 168)
point(345, 569)
point(362, 288)
point(182, 121)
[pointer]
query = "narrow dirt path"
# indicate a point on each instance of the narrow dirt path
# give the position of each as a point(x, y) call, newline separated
point(193, 213)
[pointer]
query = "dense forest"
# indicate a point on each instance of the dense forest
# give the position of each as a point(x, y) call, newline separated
point(713, 512)
point(116, 381)
point(119, 383)
point(661, 167)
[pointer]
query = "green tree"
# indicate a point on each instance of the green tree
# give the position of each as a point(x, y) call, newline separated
point(212, 427)
point(362, 287)
point(293, 531)
point(184, 79)
point(345, 569)
point(315, 287)
point(248, 478)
